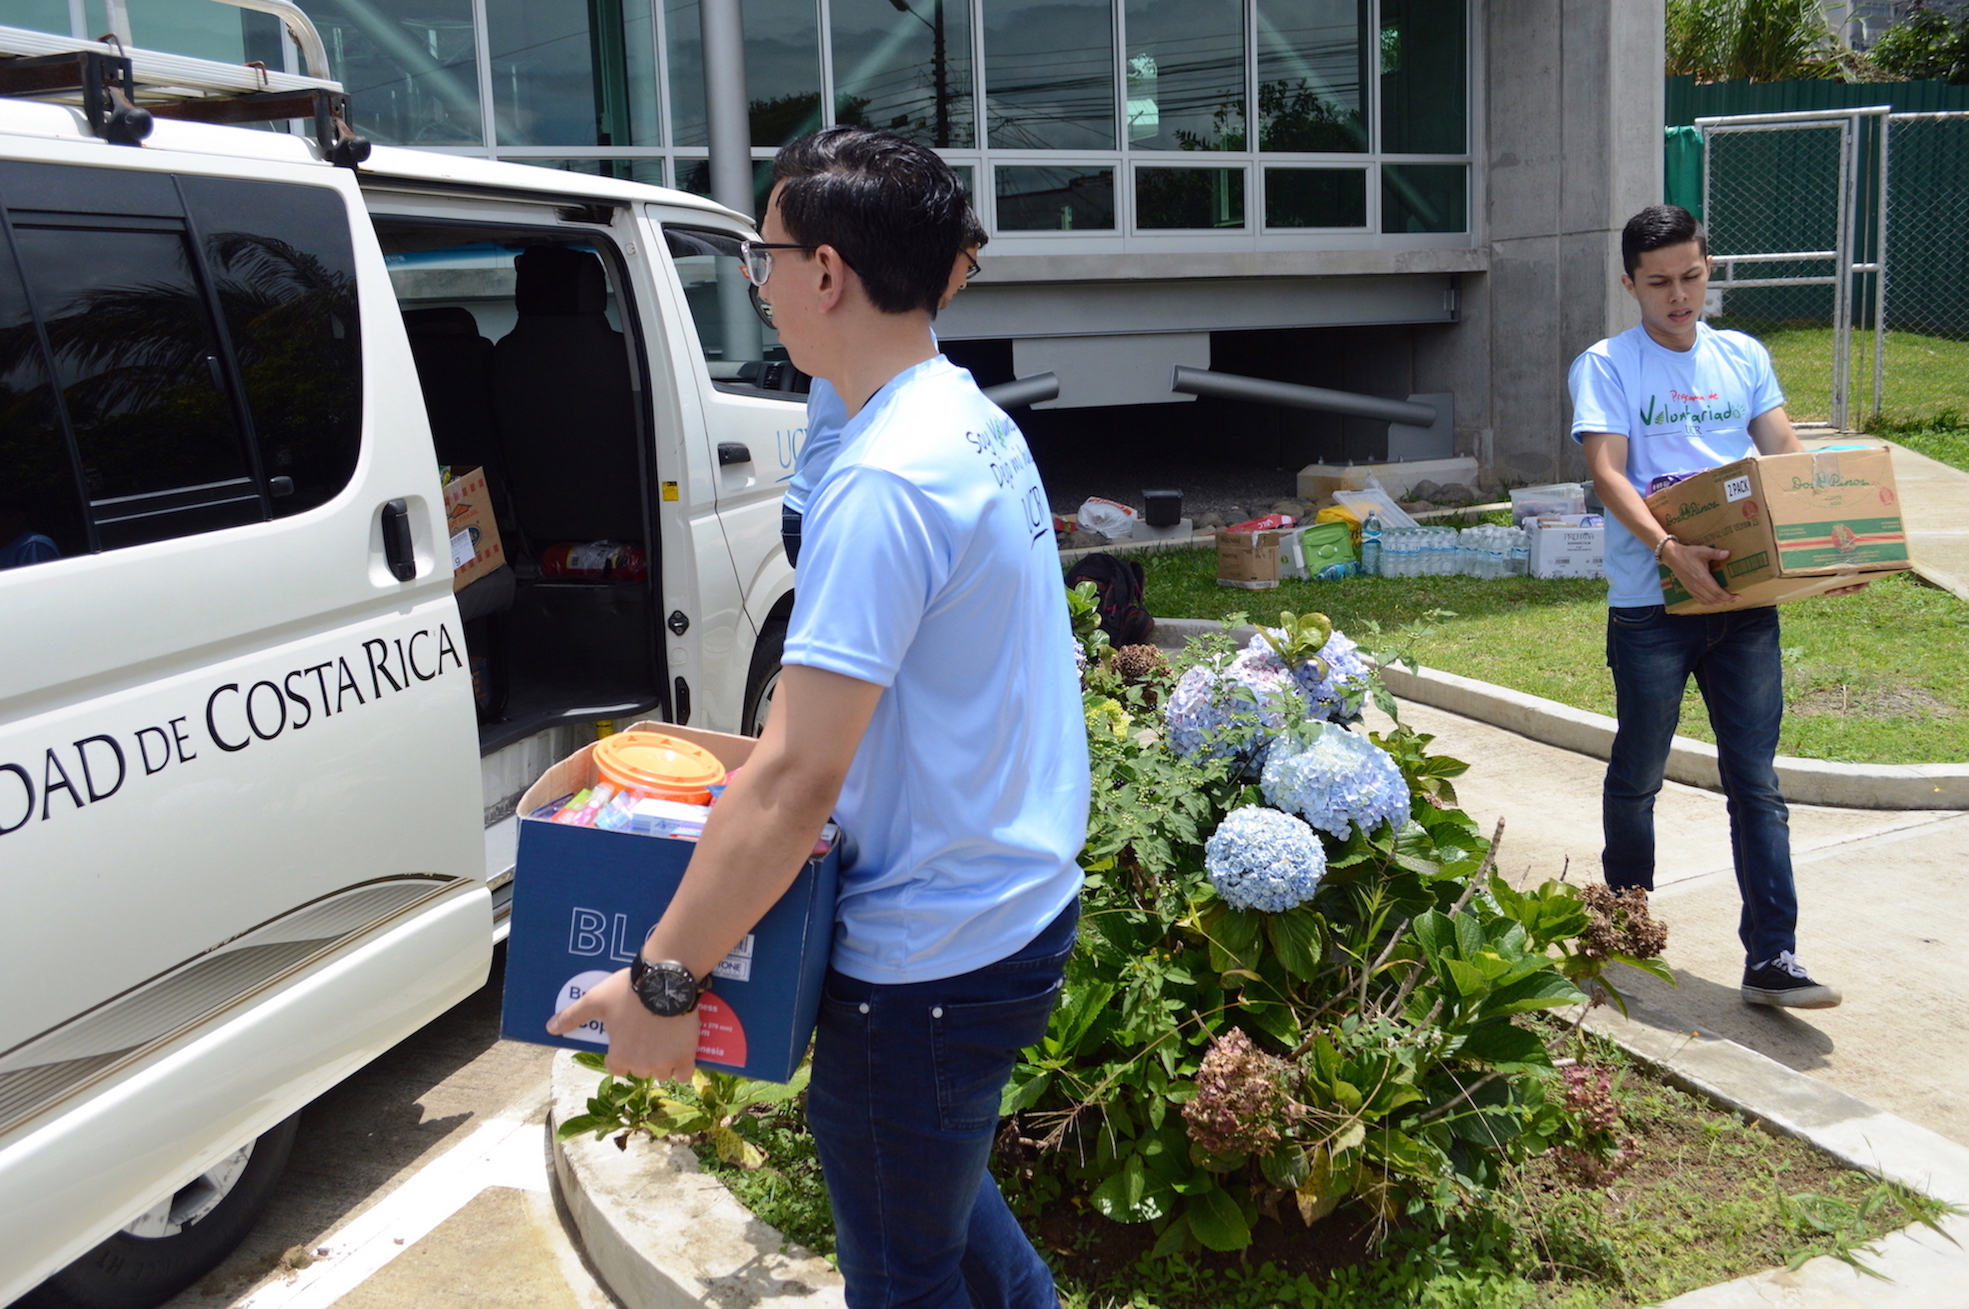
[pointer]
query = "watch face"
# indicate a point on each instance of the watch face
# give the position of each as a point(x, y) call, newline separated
point(667, 989)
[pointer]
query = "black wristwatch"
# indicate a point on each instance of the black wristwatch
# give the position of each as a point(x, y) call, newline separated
point(666, 987)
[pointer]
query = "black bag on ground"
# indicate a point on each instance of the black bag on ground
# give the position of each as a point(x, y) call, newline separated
point(1121, 583)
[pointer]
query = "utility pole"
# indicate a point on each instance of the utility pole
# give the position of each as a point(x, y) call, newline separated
point(723, 25)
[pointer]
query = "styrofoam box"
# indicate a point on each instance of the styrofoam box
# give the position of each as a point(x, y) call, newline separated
point(1567, 551)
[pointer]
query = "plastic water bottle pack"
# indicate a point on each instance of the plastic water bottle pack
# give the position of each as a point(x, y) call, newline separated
point(1485, 551)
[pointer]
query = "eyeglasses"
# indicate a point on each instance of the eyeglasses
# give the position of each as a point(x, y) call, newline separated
point(762, 307)
point(973, 270)
point(757, 258)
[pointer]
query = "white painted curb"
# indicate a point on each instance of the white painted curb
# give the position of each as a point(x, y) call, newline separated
point(661, 1233)
point(1693, 763)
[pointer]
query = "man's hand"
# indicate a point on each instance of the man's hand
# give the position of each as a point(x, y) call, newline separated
point(1690, 564)
point(640, 1044)
point(1854, 589)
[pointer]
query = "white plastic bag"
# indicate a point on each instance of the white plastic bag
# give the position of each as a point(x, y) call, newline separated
point(1111, 520)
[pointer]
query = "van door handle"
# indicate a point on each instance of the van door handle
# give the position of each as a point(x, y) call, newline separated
point(733, 452)
point(397, 549)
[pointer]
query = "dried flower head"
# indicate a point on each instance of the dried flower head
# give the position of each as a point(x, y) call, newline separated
point(1243, 1101)
point(1604, 1151)
point(1618, 922)
point(1139, 665)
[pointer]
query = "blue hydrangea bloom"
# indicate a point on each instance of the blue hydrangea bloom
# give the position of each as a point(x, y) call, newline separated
point(1262, 859)
point(1206, 701)
point(1337, 780)
point(1346, 674)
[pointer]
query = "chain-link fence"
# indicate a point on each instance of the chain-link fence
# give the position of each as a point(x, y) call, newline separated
point(1928, 224)
point(1842, 241)
point(1777, 198)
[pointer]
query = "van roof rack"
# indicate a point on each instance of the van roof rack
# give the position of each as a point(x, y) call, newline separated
point(120, 90)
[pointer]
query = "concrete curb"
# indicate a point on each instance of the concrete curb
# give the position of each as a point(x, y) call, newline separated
point(1693, 763)
point(1926, 1270)
point(665, 1235)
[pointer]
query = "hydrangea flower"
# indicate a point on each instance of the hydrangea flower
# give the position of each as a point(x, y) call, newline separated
point(1206, 702)
point(1325, 694)
point(1243, 1102)
point(1338, 779)
point(1262, 859)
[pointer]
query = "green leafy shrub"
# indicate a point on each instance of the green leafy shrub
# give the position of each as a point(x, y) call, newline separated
point(1210, 1067)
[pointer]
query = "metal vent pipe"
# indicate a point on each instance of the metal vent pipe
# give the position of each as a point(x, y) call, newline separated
point(1229, 386)
point(1024, 391)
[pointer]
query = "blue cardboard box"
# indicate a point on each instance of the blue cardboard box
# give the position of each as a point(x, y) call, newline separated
point(583, 899)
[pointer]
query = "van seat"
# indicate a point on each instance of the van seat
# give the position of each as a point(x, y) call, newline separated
point(564, 405)
point(454, 367)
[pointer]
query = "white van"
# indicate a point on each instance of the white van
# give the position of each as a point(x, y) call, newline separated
point(257, 761)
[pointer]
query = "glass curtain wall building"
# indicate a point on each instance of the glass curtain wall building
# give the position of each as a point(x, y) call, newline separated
point(1122, 124)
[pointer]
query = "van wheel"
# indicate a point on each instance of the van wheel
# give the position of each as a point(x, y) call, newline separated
point(763, 680)
point(184, 1237)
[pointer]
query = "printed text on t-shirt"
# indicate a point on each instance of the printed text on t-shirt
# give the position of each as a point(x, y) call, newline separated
point(1658, 412)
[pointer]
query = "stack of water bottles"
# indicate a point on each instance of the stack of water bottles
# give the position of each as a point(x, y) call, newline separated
point(1486, 550)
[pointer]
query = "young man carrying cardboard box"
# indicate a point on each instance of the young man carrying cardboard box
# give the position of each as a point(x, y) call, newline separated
point(1673, 396)
point(929, 701)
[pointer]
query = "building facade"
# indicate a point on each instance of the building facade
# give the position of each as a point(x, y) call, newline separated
point(1387, 196)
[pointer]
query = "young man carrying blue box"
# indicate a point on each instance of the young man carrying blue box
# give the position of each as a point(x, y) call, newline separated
point(1675, 396)
point(929, 702)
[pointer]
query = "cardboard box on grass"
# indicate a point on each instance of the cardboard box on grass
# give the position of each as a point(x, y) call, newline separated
point(1248, 560)
point(475, 547)
point(583, 899)
point(1566, 549)
point(1796, 525)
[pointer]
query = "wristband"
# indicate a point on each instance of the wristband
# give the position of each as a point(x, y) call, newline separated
point(1663, 544)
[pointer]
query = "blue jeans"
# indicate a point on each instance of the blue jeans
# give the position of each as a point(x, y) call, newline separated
point(789, 534)
point(1734, 657)
point(903, 1107)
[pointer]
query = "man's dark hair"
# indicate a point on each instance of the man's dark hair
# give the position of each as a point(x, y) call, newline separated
point(1655, 227)
point(892, 208)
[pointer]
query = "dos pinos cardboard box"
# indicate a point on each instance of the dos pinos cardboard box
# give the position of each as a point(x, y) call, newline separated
point(1796, 525)
point(583, 899)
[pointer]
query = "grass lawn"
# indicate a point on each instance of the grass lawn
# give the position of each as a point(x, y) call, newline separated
point(1879, 677)
point(1945, 439)
point(1707, 1198)
point(1925, 375)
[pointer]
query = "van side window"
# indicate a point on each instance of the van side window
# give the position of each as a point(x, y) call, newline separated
point(283, 267)
point(201, 337)
point(40, 507)
point(742, 354)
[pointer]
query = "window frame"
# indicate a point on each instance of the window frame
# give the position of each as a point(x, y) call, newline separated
point(119, 195)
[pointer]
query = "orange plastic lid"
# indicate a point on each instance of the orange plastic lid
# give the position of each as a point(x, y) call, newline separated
point(658, 765)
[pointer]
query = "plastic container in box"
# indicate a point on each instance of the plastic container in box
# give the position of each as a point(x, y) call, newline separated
point(1555, 498)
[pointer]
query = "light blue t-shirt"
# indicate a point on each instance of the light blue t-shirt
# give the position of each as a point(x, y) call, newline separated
point(928, 568)
point(1682, 411)
point(28, 548)
point(826, 416)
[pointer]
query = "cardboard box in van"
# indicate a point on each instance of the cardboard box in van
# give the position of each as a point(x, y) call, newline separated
point(1248, 560)
point(584, 898)
point(475, 547)
point(1796, 525)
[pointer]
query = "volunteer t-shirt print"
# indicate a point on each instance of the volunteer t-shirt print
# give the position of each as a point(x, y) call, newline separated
point(1003, 446)
point(1680, 411)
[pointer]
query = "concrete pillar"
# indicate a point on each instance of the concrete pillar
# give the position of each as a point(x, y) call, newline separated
point(723, 25)
point(1571, 149)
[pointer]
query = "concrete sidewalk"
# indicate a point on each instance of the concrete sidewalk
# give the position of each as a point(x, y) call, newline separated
point(1883, 915)
point(1935, 507)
